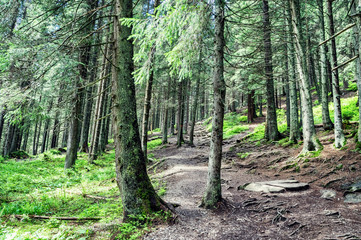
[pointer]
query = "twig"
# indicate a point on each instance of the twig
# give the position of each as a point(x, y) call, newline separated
point(59, 218)
point(301, 226)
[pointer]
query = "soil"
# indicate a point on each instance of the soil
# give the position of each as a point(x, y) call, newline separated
point(251, 215)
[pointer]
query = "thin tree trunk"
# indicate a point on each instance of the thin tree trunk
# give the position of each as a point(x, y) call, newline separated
point(180, 115)
point(195, 103)
point(271, 131)
point(99, 105)
point(356, 8)
point(46, 128)
point(148, 96)
point(2, 121)
point(340, 139)
point(188, 94)
point(213, 193)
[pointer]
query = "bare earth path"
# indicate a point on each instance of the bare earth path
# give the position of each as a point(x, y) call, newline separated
point(247, 215)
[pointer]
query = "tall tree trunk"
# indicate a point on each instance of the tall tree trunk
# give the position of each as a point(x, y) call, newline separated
point(186, 102)
point(173, 116)
point(294, 123)
point(37, 140)
point(100, 105)
point(356, 9)
point(195, 101)
point(166, 112)
point(148, 95)
point(180, 114)
point(2, 121)
point(326, 120)
point(213, 193)
point(250, 106)
point(310, 141)
point(46, 128)
point(340, 139)
point(106, 120)
point(271, 131)
point(137, 193)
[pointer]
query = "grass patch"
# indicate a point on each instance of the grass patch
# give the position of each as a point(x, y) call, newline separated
point(40, 186)
point(231, 124)
point(154, 143)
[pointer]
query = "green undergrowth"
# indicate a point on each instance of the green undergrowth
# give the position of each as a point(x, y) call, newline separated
point(232, 124)
point(151, 145)
point(349, 109)
point(157, 130)
point(258, 132)
point(40, 186)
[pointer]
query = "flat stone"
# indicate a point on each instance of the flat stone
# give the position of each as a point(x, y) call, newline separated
point(328, 193)
point(288, 184)
point(257, 187)
point(353, 198)
point(275, 186)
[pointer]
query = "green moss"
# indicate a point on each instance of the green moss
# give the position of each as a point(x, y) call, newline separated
point(154, 143)
point(243, 155)
point(352, 87)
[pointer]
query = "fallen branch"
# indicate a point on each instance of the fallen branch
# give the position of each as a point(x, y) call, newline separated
point(156, 164)
point(59, 218)
point(98, 197)
point(293, 233)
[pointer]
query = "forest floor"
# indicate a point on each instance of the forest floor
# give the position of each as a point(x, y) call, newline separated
point(253, 215)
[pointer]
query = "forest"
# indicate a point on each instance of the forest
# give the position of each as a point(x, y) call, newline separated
point(180, 119)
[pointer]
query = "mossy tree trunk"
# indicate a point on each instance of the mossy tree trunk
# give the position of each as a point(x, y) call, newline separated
point(340, 139)
point(137, 193)
point(326, 120)
point(294, 123)
point(213, 193)
point(271, 131)
point(310, 141)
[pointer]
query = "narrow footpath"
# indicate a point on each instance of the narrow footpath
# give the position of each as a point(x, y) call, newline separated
point(246, 215)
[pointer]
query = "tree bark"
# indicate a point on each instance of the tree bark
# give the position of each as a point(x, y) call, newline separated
point(356, 8)
point(137, 193)
point(310, 141)
point(213, 193)
point(326, 120)
point(180, 115)
point(195, 103)
point(166, 112)
point(340, 139)
point(46, 128)
point(271, 131)
point(148, 95)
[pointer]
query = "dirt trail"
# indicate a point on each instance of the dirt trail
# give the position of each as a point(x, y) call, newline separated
point(246, 215)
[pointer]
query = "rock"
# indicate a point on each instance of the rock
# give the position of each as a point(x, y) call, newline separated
point(331, 213)
point(258, 187)
point(328, 193)
point(275, 186)
point(353, 198)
